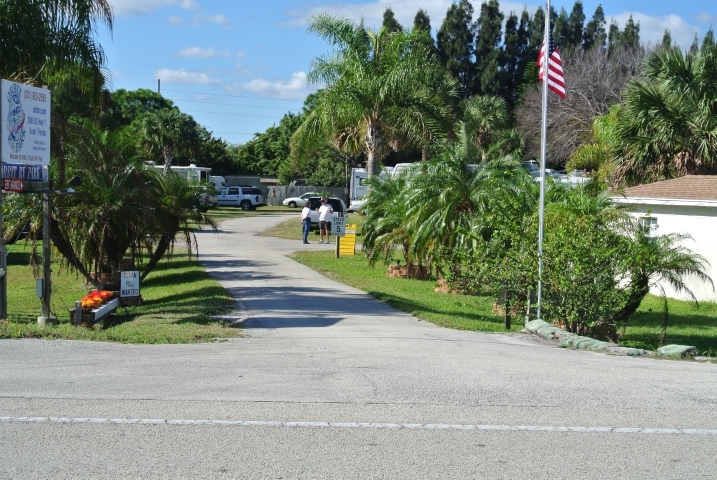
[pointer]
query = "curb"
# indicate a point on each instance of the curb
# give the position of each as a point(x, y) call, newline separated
point(577, 342)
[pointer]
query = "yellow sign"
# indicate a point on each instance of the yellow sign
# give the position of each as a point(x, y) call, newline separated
point(347, 244)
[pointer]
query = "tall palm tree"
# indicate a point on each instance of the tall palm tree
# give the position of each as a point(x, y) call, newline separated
point(43, 41)
point(381, 88)
point(109, 213)
point(168, 133)
point(669, 117)
point(485, 116)
point(387, 226)
point(448, 200)
point(177, 212)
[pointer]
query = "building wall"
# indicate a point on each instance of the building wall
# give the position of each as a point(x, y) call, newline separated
point(701, 224)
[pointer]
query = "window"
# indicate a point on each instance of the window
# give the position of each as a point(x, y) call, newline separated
point(650, 226)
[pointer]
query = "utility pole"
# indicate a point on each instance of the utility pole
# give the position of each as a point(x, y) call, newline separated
point(46, 317)
point(3, 272)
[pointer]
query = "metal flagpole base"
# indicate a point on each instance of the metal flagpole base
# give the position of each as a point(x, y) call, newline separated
point(42, 320)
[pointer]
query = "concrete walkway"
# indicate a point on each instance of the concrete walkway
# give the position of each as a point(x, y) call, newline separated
point(330, 383)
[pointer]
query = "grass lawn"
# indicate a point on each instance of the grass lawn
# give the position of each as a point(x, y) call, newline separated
point(291, 229)
point(413, 296)
point(179, 301)
point(687, 324)
point(219, 214)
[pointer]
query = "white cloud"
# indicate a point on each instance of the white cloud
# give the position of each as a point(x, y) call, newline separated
point(123, 8)
point(294, 88)
point(706, 18)
point(183, 76)
point(202, 18)
point(653, 28)
point(404, 10)
point(197, 52)
point(241, 54)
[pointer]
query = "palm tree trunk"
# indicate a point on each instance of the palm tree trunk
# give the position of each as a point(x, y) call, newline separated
point(168, 154)
point(373, 147)
point(65, 248)
point(158, 253)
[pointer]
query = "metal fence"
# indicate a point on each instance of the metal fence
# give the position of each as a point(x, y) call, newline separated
point(276, 195)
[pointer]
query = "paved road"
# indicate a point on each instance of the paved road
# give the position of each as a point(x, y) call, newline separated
point(329, 383)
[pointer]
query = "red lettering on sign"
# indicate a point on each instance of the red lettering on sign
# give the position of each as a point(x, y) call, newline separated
point(14, 185)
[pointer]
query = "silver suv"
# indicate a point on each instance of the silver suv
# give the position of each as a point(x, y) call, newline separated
point(248, 198)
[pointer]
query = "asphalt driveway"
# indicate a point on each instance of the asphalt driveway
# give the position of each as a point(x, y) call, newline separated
point(330, 383)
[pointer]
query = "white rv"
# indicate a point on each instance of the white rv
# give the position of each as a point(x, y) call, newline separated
point(358, 187)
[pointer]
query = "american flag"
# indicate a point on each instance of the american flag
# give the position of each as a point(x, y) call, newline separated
point(556, 80)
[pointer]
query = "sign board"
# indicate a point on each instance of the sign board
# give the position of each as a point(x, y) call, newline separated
point(129, 284)
point(338, 226)
point(14, 185)
point(347, 244)
point(25, 133)
point(29, 173)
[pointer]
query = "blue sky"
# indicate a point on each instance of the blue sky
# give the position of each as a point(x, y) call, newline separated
point(238, 66)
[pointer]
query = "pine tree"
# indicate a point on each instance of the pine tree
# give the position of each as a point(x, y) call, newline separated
point(511, 65)
point(628, 37)
point(389, 21)
point(455, 44)
point(667, 39)
point(422, 27)
point(488, 52)
point(536, 33)
point(422, 21)
point(709, 40)
point(595, 35)
point(575, 26)
point(561, 30)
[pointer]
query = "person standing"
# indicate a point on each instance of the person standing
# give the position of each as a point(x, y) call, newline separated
point(306, 221)
point(326, 215)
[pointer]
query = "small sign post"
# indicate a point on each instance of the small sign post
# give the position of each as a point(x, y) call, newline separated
point(129, 288)
point(338, 226)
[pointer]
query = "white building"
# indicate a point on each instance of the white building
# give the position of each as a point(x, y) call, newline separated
point(682, 205)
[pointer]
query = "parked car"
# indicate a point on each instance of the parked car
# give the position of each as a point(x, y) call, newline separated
point(246, 197)
point(294, 202)
point(337, 205)
point(357, 205)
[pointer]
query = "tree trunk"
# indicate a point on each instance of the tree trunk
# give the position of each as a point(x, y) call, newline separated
point(158, 253)
point(66, 250)
point(640, 288)
point(168, 154)
point(373, 148)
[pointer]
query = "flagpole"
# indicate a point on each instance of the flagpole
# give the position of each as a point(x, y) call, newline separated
point(543, 147)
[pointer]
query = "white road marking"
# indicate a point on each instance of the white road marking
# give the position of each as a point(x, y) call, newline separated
point(411, 426)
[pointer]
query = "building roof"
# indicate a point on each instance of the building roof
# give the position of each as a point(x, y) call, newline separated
point(689, 187)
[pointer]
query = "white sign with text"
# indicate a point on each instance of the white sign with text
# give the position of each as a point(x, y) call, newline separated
point(129, 284)
point(338, 226)
point(25, 134)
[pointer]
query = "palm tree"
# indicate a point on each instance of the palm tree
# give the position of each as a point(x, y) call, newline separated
point(44, 41)
point(485, 115)
point(168, 133)
point(386, 226)
point(381, 88)
point(109, 213)
point(669, 118)
point(448, 200)
point(177, 212)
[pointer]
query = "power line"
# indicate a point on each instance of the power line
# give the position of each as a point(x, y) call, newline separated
point(233, 114)
point(229, 104)
point(228, 95)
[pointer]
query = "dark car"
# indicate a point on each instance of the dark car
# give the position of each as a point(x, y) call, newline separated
point(338, 206)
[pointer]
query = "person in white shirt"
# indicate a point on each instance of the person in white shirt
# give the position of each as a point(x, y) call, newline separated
point(306, 221)
point(326, 215)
